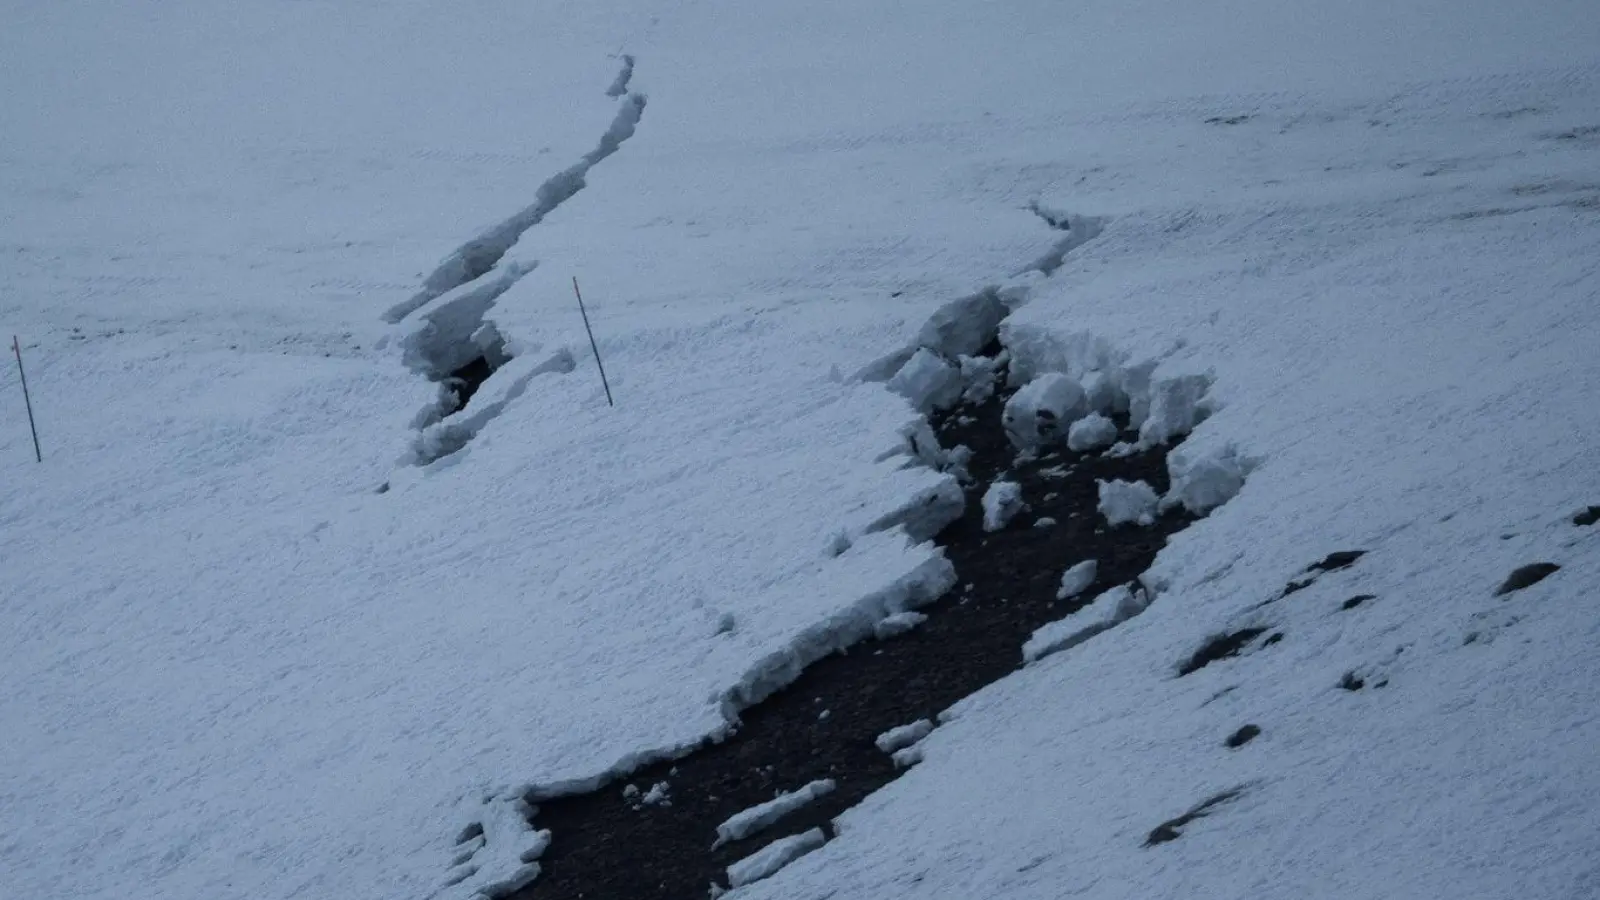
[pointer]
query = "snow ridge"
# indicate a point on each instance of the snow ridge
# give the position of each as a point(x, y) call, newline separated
point(480, 255)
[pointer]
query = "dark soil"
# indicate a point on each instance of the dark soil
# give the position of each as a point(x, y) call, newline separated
point(607, 847)
point(1587, 517)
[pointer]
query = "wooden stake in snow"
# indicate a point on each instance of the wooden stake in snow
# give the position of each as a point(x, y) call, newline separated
point(592, 345)
point(26, 400)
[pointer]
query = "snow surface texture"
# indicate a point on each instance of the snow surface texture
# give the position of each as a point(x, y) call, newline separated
point(756, 818)
point(1351, 248)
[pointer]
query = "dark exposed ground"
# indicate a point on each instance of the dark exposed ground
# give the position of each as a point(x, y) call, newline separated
point(606, 846)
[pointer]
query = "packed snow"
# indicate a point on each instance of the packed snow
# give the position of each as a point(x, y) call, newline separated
point(750, 821)
point(1001, 503)
point(283, 623)
point(903, 736)
point(1128, 502)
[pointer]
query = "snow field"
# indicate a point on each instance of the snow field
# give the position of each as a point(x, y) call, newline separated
point(238, 670)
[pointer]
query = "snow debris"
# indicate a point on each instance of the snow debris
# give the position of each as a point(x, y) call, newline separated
point(1077, 579)
point(1001, 502)
point(1176, 407)
point(1037, 414)
point(769, 859)
point(1091, 433)
point(963, 327)
point(743, 824)
point(928, 381)
point(1044, 522)
point(898, 624)
point(657, 795)
point(1101, 392)
point(1123, 502)
point(903, 736)
point(979, 376)
point(1203, 481)
point(506, 850)
point(910, 756)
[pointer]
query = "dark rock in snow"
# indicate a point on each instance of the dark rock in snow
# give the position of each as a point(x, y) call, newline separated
point(1219, 647)
point(1244, 735)
point(1526, 576)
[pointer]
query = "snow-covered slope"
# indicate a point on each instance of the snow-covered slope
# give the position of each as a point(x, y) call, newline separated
point(253, 649)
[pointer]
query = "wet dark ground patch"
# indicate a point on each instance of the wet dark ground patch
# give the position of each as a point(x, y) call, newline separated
point(605, 845)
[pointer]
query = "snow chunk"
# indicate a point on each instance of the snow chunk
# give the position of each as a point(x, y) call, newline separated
point(1037, 414)
point(1077, 579)
point(979, 375)
point(1091, 433)
point(1100, 389)
point(963, 327)
point(769, 859)
point(1001, 502)
point(896, 739)
point(1175, 408)
point(1203, 481)
point(1122, 502)
point(928, 381)
point(897, 624)
point(910, 756)
point(657, 795)
point(504, 854)
point(743, 824)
